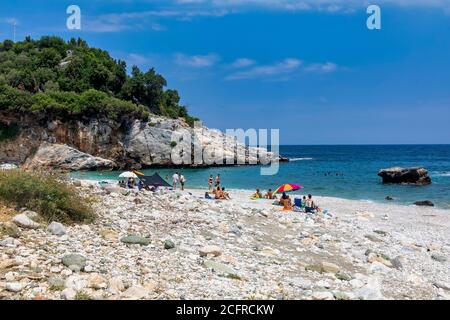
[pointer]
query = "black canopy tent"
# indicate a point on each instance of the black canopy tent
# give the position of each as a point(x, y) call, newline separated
point(154, 181)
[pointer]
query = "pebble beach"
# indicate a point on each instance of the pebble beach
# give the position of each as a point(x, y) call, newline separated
point(177, 245)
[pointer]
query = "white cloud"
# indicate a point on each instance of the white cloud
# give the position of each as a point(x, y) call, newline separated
point(242, 63)
point(282, 70)
point(197, 61)
point(283, 67)
point(327, 67)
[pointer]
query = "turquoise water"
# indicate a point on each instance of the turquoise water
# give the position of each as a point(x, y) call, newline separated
point(341, 171)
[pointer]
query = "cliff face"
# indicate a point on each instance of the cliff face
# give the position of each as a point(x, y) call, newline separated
point(98, 143)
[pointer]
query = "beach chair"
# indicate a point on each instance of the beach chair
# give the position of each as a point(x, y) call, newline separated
point(298, 202)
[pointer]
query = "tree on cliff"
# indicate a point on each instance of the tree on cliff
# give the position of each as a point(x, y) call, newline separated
point(70, 78)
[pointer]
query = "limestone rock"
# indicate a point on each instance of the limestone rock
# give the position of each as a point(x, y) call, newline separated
point(210, 250)
point(57, 228)
point(60, 156)
point(134, 239)
point(22, 220)
point(74, 260)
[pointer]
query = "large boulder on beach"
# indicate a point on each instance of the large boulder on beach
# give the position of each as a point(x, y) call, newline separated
point(398, 175)
point(61, 156)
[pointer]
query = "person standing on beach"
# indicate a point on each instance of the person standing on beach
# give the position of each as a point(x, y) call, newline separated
point(218, 180)
point(182, 181)
point(175, 179)
point(210, 182)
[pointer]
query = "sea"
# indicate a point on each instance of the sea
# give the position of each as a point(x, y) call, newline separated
point(347, 171)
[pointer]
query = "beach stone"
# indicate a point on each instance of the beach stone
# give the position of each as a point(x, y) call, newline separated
point(68, 294)
point(442, 285)
point(325, 295)
point(438, 257)
point(328, 267)
point(116, 285)
point(323, 267)
point(373, 238)
point(14, 286)
point(22, 220)
point(76, 283)
point(343, 276)
point(74, 260)
point(356, 283)
point(135, 293)
point(389, 198)
point(220, 269)
point(302, 283)
point(8, 263)
point(341, 296)
point(109, 234)
point(96, 281)
point(169, 244)
point(134, 239)
point(210, 250)
point(373, 257)
point(397, 262)
point(11, 229)
point(57, 229)
point(56, 283)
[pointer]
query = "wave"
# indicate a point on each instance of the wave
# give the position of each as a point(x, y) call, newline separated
point(440, 174)
point(300, 159)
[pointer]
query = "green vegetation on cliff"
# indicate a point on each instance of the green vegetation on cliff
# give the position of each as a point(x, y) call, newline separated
point(68, 79)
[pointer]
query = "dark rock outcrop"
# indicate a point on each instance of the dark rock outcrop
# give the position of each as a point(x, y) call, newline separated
point(426, 203)
point(418, 176)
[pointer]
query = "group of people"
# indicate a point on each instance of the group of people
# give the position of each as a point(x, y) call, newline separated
point(307, 204)
point(178, 178)
point(217, 192)
point(269, 195)
point(131, 183)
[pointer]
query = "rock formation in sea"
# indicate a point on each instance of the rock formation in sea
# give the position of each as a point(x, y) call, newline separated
point(397, 175)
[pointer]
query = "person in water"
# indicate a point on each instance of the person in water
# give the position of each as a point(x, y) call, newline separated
point(218, 180)
point(210, 182)
point(270, 195)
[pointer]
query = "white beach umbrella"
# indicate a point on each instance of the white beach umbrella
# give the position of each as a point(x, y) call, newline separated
point(128, 174)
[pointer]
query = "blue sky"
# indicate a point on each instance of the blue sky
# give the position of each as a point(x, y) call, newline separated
point(310, 68)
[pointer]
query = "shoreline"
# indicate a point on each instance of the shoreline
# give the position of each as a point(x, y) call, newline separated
point(293, 195)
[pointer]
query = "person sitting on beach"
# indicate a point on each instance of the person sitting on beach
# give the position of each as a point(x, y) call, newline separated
point(310, 206)
point(257, 195)
point(270, 195)
point(286, 202)
point(217, 193)
point(225, 195)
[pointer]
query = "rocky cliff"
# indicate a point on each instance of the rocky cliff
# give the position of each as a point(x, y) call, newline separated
point(99, 143)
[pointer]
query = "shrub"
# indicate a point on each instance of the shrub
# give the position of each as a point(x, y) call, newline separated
point(173, 144)
point(46, 194)
point(8, 132)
